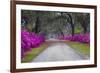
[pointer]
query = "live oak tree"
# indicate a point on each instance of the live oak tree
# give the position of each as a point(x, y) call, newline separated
point(54, 22)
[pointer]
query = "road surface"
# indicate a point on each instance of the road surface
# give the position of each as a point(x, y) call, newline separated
point(58, 52)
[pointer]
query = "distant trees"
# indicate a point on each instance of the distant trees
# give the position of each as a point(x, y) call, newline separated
point(68, 19)
point(83, 20)
point(72, 24)
point(62, 23)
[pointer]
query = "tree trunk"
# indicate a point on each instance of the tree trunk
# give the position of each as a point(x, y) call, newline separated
point(84, 25)
point(61, 32)
point(37, 25)
point(72, 24)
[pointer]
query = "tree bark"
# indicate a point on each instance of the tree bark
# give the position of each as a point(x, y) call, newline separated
point(72, 24)
point(37, 25)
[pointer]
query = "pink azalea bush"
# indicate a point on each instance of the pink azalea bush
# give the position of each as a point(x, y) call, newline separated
point(83, 38)
point(30, 40)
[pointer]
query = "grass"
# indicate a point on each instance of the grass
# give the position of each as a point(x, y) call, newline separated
point(80, 47)
point(32, 54)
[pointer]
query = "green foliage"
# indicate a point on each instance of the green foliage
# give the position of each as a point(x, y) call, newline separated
point(78, 29)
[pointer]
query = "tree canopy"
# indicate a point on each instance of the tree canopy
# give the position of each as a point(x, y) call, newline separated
point(54, 22)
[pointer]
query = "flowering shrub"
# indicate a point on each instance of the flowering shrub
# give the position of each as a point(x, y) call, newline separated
point(84, 38)
point(30, 40)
